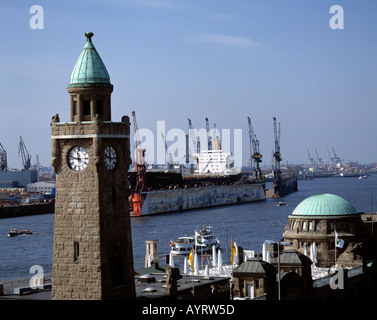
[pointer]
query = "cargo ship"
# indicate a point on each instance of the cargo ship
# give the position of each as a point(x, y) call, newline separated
point(215, 183)
point(285, 185)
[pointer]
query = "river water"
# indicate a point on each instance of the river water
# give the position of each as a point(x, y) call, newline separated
point(246, 224)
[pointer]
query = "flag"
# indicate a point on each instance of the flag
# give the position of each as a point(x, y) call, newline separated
point(191, 258)
point(199, 241)
point(338, 242)
point(232, 251)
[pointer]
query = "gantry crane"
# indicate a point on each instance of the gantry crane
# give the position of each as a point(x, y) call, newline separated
point(25, 156)
point(310, 159)
point(336, 159)
point(319, 160)
point(329, 158)
point(254, 152)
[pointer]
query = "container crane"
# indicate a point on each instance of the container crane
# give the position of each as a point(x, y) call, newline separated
point(336, 159)
point(25, 156)
point(329, 158)
point(310, 159)
point(254, 152)
point(319, 159)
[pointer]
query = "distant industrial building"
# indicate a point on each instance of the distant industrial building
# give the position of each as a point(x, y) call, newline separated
point(20, 179)
point(42, 187)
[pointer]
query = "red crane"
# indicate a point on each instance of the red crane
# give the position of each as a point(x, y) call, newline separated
point(140, 170)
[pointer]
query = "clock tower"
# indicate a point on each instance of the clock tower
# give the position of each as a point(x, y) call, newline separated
point(92, 256)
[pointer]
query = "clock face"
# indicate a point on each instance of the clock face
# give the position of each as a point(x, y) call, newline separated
point(110, 158)
point(78, 158)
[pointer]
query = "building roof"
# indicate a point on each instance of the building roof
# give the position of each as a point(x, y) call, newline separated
point(292, 257)
point(254, 266)
point(152, 286)
point(89, 69)
point(324, 205)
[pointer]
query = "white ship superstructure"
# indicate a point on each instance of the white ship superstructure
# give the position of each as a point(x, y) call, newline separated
point(214, 162)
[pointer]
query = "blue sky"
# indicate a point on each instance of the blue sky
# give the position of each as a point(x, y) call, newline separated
point(226, 60)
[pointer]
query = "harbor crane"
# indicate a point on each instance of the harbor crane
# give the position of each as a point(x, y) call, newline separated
point(336, 159)
point(195, 140)
point(25, 156)
point(319, 160)
point(140, 169)
point(37, 164)
point(310, 159)
point(277, 155)
point(277, 158)
point(139, 153)
point(329, 157)
point(3, 159)
point(254, 152)
point(170, 157)
point(209, 138)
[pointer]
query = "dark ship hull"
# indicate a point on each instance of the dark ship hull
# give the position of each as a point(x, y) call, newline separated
point(285, 186)
point(170, 192)
point(159, 180)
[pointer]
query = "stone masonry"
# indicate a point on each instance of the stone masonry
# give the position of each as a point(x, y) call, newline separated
point(92, 239)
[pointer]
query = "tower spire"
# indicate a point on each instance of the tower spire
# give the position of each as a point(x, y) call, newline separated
point(90, 87)
point(89, 35)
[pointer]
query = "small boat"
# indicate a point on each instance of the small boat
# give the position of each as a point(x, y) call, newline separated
point(281, 203)
point(182, 245)
point(205, 240)
point(16, 232)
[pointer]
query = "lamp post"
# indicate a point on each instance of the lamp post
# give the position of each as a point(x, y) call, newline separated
point(284, 243)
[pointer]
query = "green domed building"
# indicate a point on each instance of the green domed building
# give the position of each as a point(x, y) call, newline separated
point(316, 220)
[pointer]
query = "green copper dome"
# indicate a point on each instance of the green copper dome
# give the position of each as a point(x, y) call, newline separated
point(324, 205)
point(89, 69)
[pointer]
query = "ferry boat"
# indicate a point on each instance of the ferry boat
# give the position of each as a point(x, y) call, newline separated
point(182, 246)
point(16, 232)
point(203, 241)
